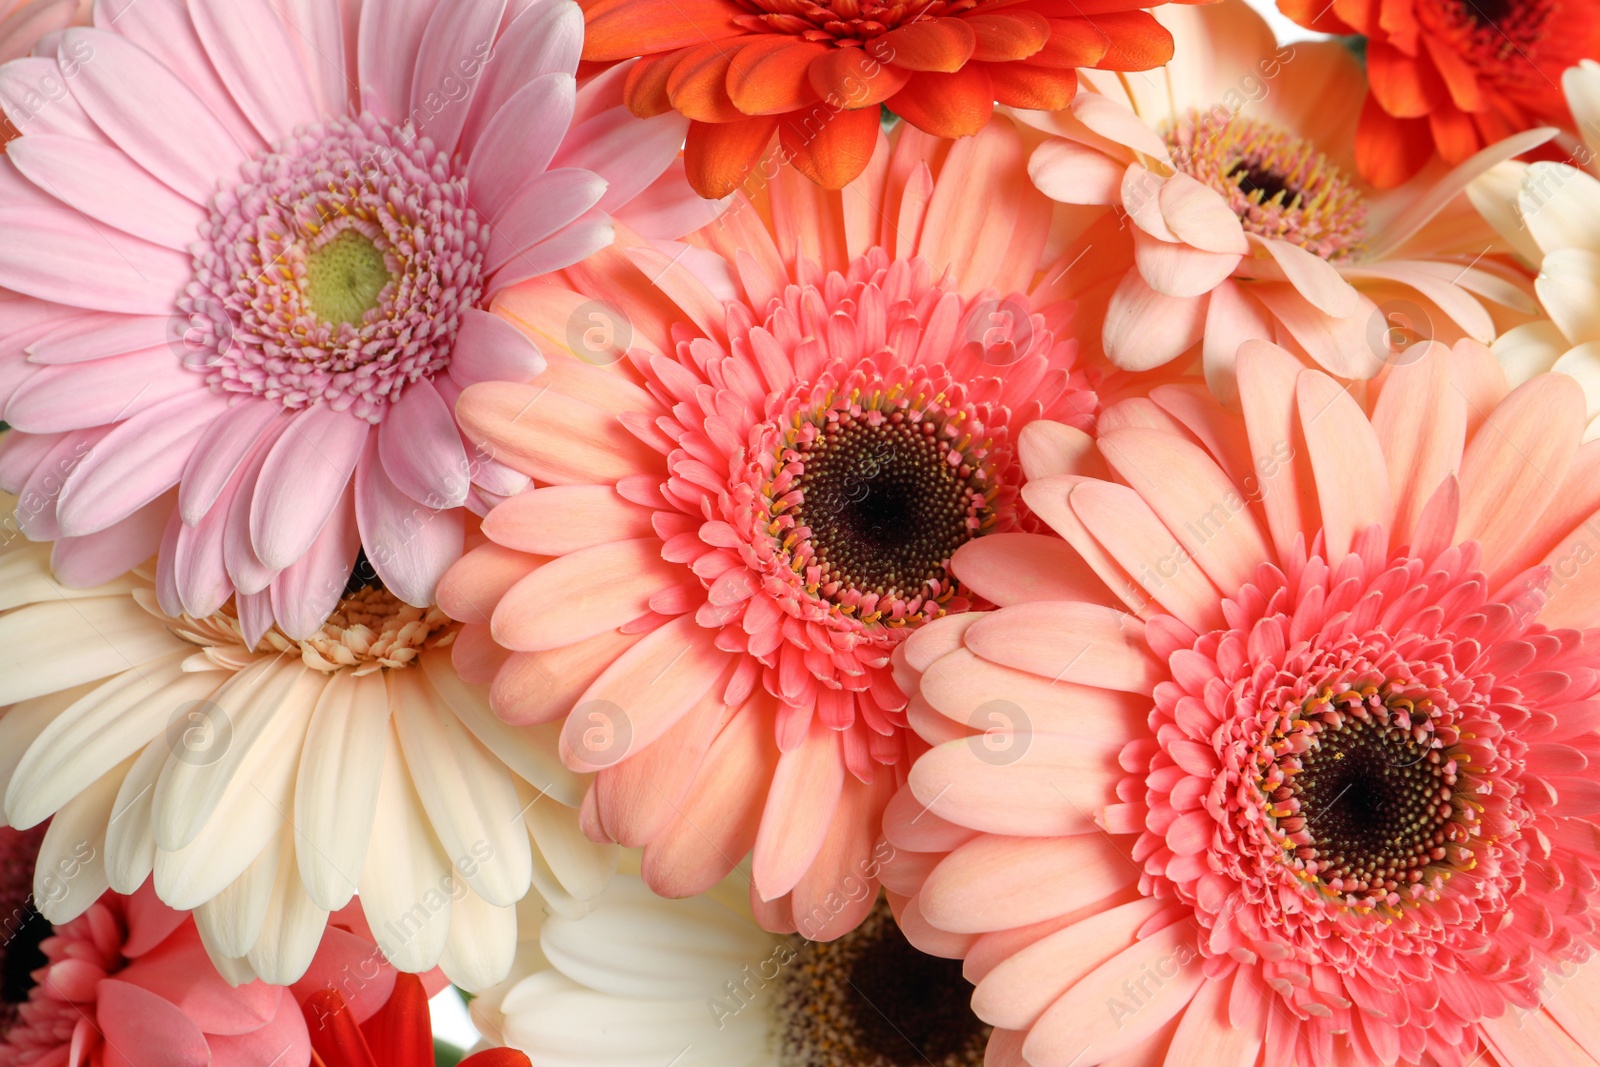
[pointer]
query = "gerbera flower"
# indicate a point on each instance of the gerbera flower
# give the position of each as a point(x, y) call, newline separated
point(1450, 77)
point(742, 515)
point(1550, 212)
point(24, 22)
point(263, 788)
point(712, 989)
point(400, 1033)
point(1309, 779)
point(129, 982)
point(252, 278)
point(816, 73)
point(1248, 220)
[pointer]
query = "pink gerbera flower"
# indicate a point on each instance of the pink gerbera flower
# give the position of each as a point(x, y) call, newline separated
point(746, 511)
point(251, 246)
point(129, 982)
point(1309, 778)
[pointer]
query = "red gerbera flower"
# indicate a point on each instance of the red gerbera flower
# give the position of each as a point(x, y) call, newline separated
point(400, 1035)
point(815, 71)
point(1454, 76)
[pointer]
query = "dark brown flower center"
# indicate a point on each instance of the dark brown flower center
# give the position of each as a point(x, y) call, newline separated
point(886, 499)
point(871, 1000)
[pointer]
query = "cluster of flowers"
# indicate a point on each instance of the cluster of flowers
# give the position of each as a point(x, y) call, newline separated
point(799, 533)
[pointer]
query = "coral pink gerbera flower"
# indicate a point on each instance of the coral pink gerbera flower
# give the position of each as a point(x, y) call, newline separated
point(745, 512)
point(128, 982)
point(1310, 779)
point(1235, 178)
point(250, 247)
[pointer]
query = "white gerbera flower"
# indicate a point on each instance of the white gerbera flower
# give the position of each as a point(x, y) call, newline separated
point(642, 980)
point(264, 788)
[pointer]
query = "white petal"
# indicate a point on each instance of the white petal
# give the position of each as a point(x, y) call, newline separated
point(293, 927)
point(130, 841)
point(405, 884)
point(482, 941)
point(70, 873)
point(231, 921)
point(337, 793)
point(52, 646)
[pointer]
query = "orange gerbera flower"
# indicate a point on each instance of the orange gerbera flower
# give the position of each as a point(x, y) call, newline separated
point(815, 71)
point(1454, 76)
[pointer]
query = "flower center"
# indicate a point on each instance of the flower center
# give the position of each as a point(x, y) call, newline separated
point(871, 1000)
point(872, 496)
point(344, 277)
point(336, 270)
point(1279, 185)
point(369, 630)
point(1500, 38)
point(845, 22)
point(1363, 788)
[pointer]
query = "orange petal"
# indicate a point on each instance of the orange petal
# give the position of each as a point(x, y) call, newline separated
point(932, 44)
point(1390, 150)
point(1360, 15)
point(771, 76)
point(1459, 76)
point(1033, 88)
point(697, 86)
point(1407, 88)
point(622, 29)
point(946, 105)
point(718, 155)
point(1314, 15)
point(645, 91)
point(1073, 43)
point(1138, 41)
point(848, 77)
point(1008, 35)
point(1454, 133)
point(834, 150)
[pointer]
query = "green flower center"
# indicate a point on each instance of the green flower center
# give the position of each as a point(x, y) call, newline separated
point(345, 277)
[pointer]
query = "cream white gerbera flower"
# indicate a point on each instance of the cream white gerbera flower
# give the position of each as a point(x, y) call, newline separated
point(1550, 212)
point(265, 788)
point(697, 983)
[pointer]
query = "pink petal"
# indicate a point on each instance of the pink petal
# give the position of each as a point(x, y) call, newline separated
point(386, 53)
point(519, 141)
point(317, 32)
point(306, 592)
point(584, 236)
point(77, 396)
point(98, 558)
point(251, 51)
point(490, 349)
point(668, 208)
point(147, 1030)
point(421, 449)
point(800, 806)
point(94, 336)
point(55, 253)
point(222, 452)
point(166, 32)
point(303, 479)
point(409, 545)
point(198, 557)
point(459, 38)
point(136, 462)
point(1199, 216)
point(103, 182)
point(1232, 318)
point(627, 153)
point(1013, 568)
point(546, 38)
point(598, 588)
point(1073, 173)
point(284, 1039)
point(24, 82)
point(151, 115)
point(26, 23)
point(1145, 329)
point(539, 210)
point(559, 519)
point(179, 972)
point(1315, 278)
point(1179, 269)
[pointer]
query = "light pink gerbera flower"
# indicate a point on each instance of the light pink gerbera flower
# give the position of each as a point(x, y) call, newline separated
point(128, 982)
point(251, 245)
point(745, 512)
point(23, 23)
point(1307, 776)
point(1234, 174)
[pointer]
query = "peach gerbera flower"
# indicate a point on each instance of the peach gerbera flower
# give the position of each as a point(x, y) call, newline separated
point(745, 512)
point(1449, 77)
point(1248, 219)
point(1307, 778)
point(815, 72)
